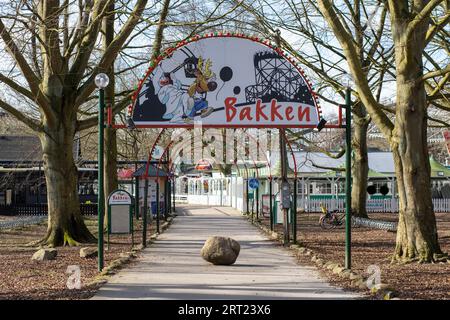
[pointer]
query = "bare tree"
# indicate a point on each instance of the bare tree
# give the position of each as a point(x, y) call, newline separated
point(326, 65)
point(58, 51)
point(413, 24)
point(53, 45)
point(395, 48)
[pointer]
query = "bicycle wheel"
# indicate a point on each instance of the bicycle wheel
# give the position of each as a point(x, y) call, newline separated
point(326, 222)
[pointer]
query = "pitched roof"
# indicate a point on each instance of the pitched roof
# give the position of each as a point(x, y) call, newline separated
point(20, 148)
point(152, 172)
point(319, 163)
point(371, 173)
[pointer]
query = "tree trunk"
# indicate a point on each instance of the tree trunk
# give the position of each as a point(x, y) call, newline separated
point(360, 166)
point(110, 136)
point(417, 237)
point(65, 223)
point(110, 176)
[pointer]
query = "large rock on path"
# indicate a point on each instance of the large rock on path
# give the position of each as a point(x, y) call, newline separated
point(220, 250)
point(44, 254)
point(88, 252)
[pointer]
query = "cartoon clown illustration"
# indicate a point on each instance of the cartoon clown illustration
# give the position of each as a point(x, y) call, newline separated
point(183, 105)
point(169, 92)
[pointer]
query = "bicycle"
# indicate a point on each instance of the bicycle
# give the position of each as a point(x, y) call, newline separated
point(331, 220)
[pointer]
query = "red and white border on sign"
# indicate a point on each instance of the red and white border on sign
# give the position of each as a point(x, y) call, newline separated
point(119, 197)
point(167, 53)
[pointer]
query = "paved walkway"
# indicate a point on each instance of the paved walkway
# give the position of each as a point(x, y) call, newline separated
point(172, 268)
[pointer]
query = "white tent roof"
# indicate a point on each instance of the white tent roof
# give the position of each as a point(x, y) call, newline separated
point(382, 162)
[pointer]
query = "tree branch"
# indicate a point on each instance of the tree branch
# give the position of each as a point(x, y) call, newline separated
point(92, 121)
point(436, 73)
point(421, 16)
point(111, 52)
point(354, 63)
point(30, 76)
point(16, 87)
point(432, 31)
point(87, 42)
point(31, 123)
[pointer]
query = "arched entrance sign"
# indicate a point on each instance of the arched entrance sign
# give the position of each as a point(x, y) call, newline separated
point(225, 80)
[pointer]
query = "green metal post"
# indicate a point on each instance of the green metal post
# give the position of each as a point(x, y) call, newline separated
point(221, 192)
point(294, 213)
point(157, 205)
point(284, 166)
point(168, 187)
point(101, 195)
point(247, 200)
point(257, 203)
point(253, 199)
point(165, 200)
point(173, 196)
point(136, 199)
point(348, 177)
point(270, 205)
point(144, 215)
point(169, 194)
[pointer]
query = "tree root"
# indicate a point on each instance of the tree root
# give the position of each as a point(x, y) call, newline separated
point(57, 238)
point(396, 259)
point(436, 258)
point(35, 243)
point(441, 257)
point(68, 240)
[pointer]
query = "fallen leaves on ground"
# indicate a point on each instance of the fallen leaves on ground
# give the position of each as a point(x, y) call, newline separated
point(23, 278)
point(376, 247)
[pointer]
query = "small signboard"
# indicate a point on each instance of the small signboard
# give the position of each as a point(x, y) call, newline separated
point(253, 183)
point(157, 152)
point(203, 165)
point(119, 212)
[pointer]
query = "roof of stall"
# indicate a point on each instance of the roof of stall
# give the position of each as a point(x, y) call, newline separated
point(152, 172)
point(341, 173)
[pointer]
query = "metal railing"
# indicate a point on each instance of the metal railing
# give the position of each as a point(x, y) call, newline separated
point(22, 222)
point(374, 224)
point(40, 209)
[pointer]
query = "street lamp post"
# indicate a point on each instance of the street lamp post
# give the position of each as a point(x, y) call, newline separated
point(101, 81)
point(348, 177)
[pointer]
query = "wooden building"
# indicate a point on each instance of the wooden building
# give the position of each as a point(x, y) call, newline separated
point(22, 178)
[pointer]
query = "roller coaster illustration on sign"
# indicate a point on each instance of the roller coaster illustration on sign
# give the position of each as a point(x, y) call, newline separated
point(225, 82)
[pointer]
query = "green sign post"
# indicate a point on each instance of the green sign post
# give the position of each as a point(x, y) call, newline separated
point(101, 81)
point(348, 178)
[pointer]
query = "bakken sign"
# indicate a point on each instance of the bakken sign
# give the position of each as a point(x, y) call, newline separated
point(119, 197)
point(225, 80)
